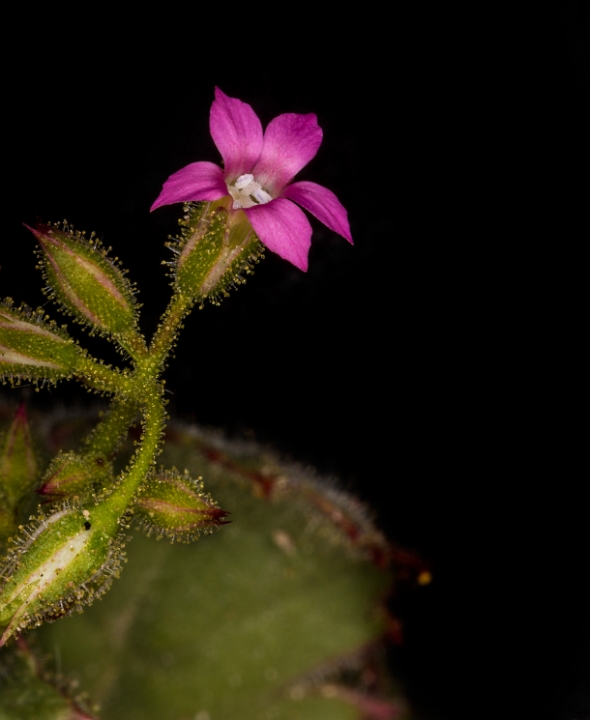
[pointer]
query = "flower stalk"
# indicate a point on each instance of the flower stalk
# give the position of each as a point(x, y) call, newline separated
point(69, 554)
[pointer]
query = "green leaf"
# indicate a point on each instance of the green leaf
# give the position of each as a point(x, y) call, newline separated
point(253, 622)
point(25, 692)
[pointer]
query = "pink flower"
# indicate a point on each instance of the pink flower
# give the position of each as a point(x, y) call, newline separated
point(258, 168)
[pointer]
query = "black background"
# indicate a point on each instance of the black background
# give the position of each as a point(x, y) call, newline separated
point(434, 366)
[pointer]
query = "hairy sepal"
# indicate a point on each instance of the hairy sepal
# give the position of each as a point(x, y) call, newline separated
point(32, 349)
point(71, 475)
point(215, 252)
point(62, 561)
point(85, 281)
point(174, 505)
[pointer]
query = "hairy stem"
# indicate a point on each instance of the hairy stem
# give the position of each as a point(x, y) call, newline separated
point(103, 378)
point(165, 336)
point(154, 416)
point(111, 430)
point(133, 343)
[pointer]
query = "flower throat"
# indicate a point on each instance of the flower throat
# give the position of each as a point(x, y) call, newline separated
point(247, 193)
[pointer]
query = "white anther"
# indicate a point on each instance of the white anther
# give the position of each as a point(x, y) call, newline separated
point(261, 196)
point(243, 181)
point(247, 193)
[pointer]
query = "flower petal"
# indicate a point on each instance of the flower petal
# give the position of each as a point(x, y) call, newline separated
point(290, 142)
point(284, 229)
point(197, 181)
point(323, 204)
point(237, 133)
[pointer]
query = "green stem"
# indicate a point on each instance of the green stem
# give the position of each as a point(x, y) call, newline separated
point(103, 378)
point(166, 333)
point(153, 429)
point(144, 389)
point(138, 390)
point(133, 344)
point(111, 430)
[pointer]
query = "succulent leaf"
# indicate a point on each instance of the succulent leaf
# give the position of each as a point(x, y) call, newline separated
point(272, 618)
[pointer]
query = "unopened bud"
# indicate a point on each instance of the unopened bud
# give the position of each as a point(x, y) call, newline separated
point(70, 474)
point(85, 280)
point(175, 506)
point(63, 561)
point(216, 249)
point(18, 465)
point(8, 524)
point(32, 349)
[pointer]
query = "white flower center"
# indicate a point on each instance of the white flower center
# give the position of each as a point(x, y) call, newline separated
point(247, 193)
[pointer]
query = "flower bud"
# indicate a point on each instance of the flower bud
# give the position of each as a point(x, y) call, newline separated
point(64, 561)
point(32, 349)
point(85, 280)
point(18, 465)
point(70, 474)
point(175, 506)
point(215, 250)
point(8, 525)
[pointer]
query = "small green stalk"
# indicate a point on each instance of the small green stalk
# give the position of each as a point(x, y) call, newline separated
point(132, 343)
point(112, 429)
point(154, 417)
point(165, 336)
point(103, 378)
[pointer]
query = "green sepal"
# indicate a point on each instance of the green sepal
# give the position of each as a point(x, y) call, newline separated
point(61, 561)
point(85, 281)
point(18, 464)
point(175, 506)
point(214, 251)
point(33, 349)
point(73, 475)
